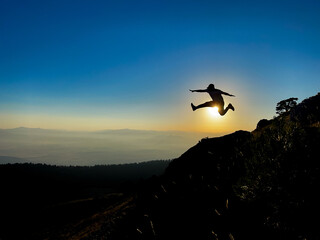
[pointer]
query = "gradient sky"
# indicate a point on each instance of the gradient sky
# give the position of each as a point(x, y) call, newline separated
point(89, 65)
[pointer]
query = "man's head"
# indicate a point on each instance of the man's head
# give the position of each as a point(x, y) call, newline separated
point(210, 87)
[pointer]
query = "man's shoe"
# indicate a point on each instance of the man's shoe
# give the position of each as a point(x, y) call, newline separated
point(231, 107)
point(193, 107)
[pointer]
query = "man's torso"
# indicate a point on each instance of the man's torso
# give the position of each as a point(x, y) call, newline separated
point(216, 96)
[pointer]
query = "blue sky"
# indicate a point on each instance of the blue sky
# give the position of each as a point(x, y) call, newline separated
point(129, 64)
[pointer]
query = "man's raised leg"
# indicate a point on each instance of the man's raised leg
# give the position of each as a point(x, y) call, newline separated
point(206, 104)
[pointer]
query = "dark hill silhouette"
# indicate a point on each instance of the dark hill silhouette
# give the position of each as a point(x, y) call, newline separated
point(210, 152)
point(258, 185)
point(39, 201)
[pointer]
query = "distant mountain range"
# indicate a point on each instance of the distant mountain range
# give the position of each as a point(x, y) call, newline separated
point(7, 159)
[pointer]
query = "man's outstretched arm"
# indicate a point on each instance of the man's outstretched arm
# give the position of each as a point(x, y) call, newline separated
point(199, 90)
point(228, 94)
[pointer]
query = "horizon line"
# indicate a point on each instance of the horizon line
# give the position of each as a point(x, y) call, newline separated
point(115, 129)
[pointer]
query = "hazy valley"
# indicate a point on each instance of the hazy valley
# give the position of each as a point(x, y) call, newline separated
point(58, 147)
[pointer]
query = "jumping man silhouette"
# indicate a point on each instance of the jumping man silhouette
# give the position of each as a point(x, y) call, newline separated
point(217, 100)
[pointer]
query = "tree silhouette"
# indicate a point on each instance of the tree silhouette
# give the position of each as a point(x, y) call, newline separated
point(286, 105)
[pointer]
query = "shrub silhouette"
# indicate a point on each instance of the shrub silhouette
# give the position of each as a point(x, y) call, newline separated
point(286, 105)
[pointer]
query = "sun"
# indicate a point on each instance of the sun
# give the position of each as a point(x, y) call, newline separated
point(213, 111)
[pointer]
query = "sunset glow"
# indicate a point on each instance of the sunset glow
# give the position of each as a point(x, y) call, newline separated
point(213, 112)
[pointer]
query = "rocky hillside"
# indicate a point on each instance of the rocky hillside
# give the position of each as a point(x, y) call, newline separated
point(247, 185)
